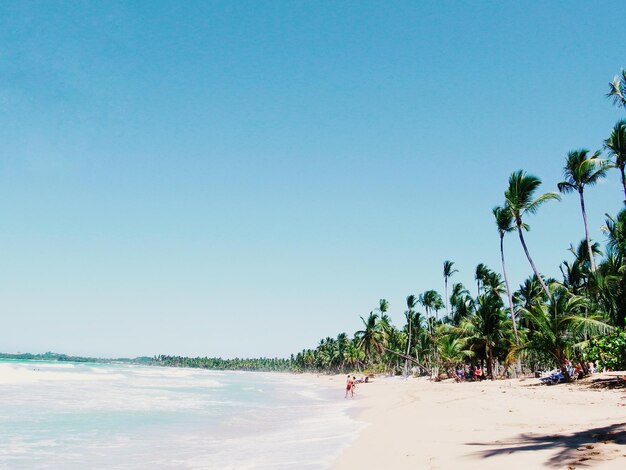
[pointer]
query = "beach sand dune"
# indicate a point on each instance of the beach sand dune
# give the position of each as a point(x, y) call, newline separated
point(418, 424)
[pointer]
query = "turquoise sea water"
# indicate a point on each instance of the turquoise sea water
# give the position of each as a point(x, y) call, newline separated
point(79, 416)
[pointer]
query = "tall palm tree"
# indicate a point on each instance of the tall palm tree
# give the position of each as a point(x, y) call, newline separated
point(504, 222)
point(411, 303)
point(583, 170)
point(617, 90)
point(616, 145)
point(448, 271)
point(519, 200)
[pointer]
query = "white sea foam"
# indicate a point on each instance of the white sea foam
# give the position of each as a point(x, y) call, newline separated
point(117, 416)
point(11, 374)
point(47, 365)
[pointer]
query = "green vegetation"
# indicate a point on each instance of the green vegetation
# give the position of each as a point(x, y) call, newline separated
point(609, 351)
point(543, 324)
point(52, 357)
point(256, 364)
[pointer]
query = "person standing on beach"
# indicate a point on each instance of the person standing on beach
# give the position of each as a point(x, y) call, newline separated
point(349, 387)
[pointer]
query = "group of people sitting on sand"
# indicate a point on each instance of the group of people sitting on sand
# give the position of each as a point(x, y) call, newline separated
point(573, 371)
point(469, 374)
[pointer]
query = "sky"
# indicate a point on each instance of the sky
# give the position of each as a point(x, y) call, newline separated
point(244, 178)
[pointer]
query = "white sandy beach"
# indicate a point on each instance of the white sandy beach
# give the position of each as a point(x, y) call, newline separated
point(419, 424)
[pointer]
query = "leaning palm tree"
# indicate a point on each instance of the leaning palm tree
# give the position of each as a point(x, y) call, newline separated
point(519, 200)
point(616, 145)
point(448, 271)
point(504, 222)
point(617, 90)
point(583, 170)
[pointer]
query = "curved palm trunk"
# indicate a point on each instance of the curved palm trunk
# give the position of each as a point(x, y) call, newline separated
point(530, 260)
point(582, 207)
point(508, 289)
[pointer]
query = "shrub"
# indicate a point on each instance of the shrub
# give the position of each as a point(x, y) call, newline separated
point(609, 352)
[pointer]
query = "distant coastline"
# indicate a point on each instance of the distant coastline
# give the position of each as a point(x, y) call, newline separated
point(211, 363)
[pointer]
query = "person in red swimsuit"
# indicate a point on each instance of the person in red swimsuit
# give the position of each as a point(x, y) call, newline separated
point(349, 384)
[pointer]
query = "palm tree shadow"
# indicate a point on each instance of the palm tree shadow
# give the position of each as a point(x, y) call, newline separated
point(573, 448)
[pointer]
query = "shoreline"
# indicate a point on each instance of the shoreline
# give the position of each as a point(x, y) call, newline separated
point(414, 423)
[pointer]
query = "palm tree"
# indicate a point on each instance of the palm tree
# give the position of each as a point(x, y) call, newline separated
point(452, 351)
point(448, 271)
point(384, 322)
point(342, 348)
point(431, 300)
point(529, 293)
point(486, 327)
point(383, 306)
point(615, 229)
point(580, 253)
point(617, 90)
point(371, 338)
point(354, 355)
point(504, 222)
point(560, 326)
point(616, 145)
point(481, 273)
point(582, 170)
point(462, 303)
point(411, 303)
point(519, 200)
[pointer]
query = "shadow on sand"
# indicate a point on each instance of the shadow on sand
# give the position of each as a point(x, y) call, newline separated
point(610, 383)
point(572, 449)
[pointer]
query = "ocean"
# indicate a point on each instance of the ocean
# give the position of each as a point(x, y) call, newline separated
point(90, 416)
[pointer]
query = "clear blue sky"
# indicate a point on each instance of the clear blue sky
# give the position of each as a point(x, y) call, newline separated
point(244, 178)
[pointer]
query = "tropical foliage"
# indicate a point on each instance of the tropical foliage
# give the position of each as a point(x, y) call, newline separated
point(544, 323)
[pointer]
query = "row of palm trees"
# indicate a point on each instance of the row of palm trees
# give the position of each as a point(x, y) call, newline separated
point(544, 323)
